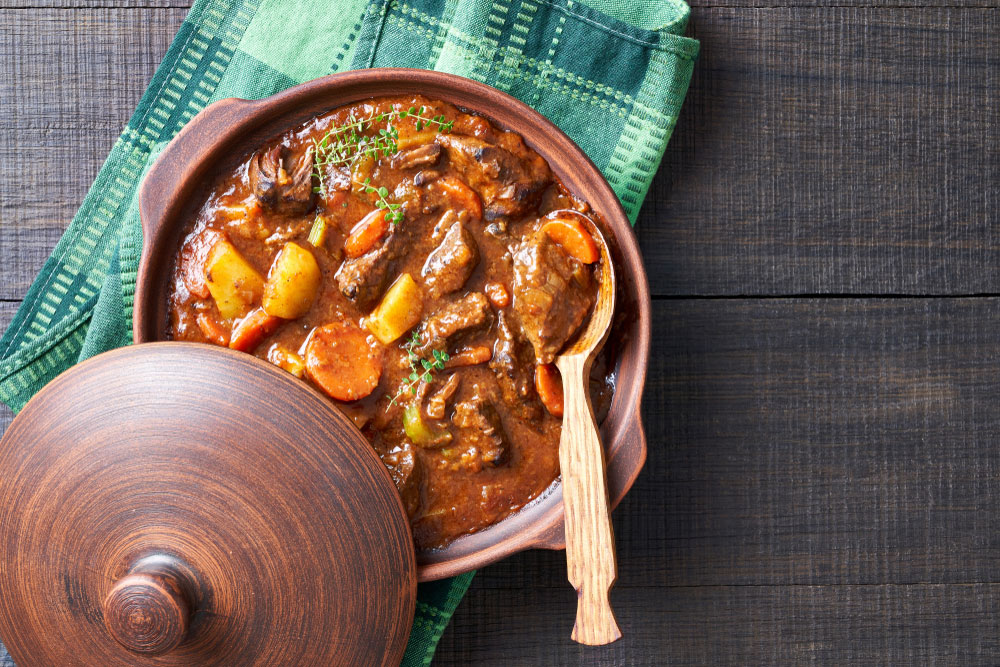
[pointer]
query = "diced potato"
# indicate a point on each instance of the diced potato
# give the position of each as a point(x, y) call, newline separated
point(233, 282)
point(292, 282)
point(399, 311)
point(362, 169)
point(286, 359)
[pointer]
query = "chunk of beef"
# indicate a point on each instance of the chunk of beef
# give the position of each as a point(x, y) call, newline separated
point(513, 363)
point(282, 182)
point(481, 431)
point(407, 473)
point(438, 402)
point(451, 263)
point(421, 156)
point(552, 294)
point(508, 183)
point(465, 314)
point(426, 176)
point(363, 279)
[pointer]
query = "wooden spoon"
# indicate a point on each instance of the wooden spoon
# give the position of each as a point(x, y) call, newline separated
point(590, 542)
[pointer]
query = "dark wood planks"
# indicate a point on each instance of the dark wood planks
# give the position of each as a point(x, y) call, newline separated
point(833, 151)
point(820, 149)
point(822, 474)
point(823, 483)
point(74, 78)
point(918, 624)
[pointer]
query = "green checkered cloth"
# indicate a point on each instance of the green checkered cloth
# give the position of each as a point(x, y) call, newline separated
point(611, 73)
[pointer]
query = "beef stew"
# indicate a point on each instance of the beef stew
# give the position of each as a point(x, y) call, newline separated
point(422, 268)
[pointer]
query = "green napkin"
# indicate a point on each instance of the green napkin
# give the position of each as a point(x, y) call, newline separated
point(611, 73)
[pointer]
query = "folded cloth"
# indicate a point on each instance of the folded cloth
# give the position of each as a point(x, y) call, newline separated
point(611, 73)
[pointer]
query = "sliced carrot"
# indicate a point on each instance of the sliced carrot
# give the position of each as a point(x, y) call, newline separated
point(366, 234)
point(461, 194)
point(497, 294)
point(569, 232)
point(548, 384)
point(214, 332)
point(341, 361)
point(470, 356)
point(252, 329)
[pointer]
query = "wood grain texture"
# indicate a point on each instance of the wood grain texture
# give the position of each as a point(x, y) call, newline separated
point(823, 484)
point(590, 540)
point(833, 151)
point(181, 504)
point(73, 79)
point(822, 480)
point(819, 150)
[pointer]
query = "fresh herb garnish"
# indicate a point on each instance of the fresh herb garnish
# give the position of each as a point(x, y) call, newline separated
point(420, 369)
point(343, 143)
point(392, 212)
point(423, 121)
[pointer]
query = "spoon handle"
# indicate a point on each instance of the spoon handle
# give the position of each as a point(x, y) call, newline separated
point(590, 542)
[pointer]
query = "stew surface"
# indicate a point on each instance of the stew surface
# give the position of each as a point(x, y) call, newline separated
point(421, 267)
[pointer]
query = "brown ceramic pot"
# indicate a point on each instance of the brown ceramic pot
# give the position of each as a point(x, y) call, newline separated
point(228, 131)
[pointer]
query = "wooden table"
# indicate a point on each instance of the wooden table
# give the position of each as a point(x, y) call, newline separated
point(823, 404)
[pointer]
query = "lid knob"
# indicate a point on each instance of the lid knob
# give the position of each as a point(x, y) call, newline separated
point(147, 610)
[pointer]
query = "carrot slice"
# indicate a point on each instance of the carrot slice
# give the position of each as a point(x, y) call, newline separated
point(497, 294)
point(252, 329)
point(341, 361)
point(570, 233)
point(368, 232)
point(548, 384)
point(214, 332)
point(461, 194)
point(470, 356)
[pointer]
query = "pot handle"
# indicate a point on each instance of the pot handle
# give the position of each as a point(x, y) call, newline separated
point(622, 473)
point(159, 193)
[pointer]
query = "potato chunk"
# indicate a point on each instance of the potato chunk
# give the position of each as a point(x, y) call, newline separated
point(399, 311)
point(233, 282)
point(292, 283)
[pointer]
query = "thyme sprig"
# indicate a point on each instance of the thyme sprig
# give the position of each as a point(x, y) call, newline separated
point(343, 143)
point(420, 368)
point(392, 212)
point(424, 121)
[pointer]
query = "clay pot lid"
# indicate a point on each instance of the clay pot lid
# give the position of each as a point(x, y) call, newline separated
point(179, 504)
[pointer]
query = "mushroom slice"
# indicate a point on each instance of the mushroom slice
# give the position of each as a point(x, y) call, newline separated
point(282, 182)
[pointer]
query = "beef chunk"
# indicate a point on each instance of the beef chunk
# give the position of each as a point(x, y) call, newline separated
point(552, 294)
point(438, 402)
point(282, 182)
point(465, 314)
point(451, 263)
point(407, 473)
point(363, 279)
point(481, 431)
point(513, 363)
point(509, 182)
point(421, 156)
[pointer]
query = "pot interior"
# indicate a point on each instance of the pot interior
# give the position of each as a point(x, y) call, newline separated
point(225, 134)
